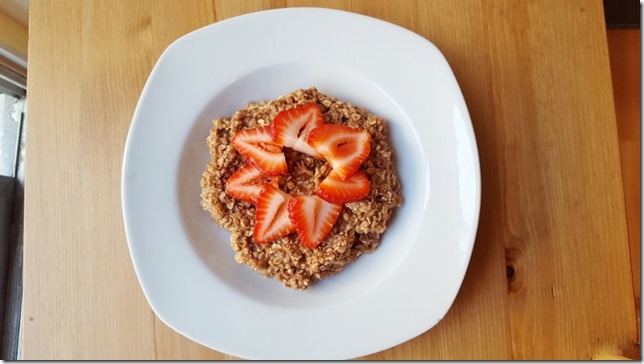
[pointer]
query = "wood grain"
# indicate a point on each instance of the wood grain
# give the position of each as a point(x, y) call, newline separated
point(81, 297)
point(624, 47)
point(537, 81)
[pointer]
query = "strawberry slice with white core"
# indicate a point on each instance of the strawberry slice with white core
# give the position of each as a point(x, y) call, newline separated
point(256, 144)
point(271, 215)
point(345, 148)
point(313, 218)
point(335, 190)
point(291, 127)
point(246, 183)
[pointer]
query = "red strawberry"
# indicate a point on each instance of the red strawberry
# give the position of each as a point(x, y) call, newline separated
point(257, 146)
point(335, 190)
point(246, 183)
point(271, 215)
point(313, 218)
point(291, 127)
point(345, 148)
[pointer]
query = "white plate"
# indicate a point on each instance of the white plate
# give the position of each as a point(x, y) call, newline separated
point(184, 261)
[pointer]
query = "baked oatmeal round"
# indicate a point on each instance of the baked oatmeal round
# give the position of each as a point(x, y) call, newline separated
point(361, 223)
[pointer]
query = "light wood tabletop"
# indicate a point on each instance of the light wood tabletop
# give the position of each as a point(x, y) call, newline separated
point(550, 274)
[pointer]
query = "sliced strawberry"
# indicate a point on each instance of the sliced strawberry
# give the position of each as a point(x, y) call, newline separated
point(345, 148)
point(256, 144)
point(313, 218)
point(271, 215)
point(291, 127)
point(335, 190)
point(246, 183)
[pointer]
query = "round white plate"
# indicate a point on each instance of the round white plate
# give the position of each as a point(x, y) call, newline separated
point(184, 261)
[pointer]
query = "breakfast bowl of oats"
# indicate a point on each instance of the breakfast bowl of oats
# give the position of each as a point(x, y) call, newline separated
point(305, 184)
point(336, 191)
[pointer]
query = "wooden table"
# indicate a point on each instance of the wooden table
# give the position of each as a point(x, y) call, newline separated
point(550, 272)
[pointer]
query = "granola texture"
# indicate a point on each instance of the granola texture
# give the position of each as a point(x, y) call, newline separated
point(360, 224)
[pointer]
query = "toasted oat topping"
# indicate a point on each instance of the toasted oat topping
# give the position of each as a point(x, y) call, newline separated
point(358, 229)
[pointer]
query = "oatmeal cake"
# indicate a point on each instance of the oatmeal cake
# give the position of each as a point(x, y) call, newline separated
point(359, 225)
